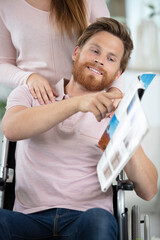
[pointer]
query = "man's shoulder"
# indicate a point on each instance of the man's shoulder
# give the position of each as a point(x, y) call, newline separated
point(20, 96)
point(22, 89)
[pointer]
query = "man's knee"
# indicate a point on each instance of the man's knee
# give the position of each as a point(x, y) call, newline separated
point(100, 223)
point(98, 216)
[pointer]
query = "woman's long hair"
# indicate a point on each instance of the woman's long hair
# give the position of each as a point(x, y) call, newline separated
point(70, 15)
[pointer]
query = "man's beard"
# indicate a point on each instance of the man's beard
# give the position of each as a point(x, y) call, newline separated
point(89, 81)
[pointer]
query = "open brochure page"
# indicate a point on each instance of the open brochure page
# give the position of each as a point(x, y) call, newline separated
point(124, 133)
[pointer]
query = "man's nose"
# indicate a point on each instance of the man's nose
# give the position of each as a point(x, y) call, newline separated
point(99, 61)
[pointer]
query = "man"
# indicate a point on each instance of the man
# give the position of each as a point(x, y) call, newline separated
point(58, 195)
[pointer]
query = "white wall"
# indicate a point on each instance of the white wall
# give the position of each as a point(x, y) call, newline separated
point(145, 34)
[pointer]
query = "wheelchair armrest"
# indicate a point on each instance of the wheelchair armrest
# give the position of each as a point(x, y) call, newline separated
point(3, 176)
point(125, 185)
point(6, 177)
point(2, 183)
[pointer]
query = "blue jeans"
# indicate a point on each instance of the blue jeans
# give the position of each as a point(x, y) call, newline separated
point(58, 224)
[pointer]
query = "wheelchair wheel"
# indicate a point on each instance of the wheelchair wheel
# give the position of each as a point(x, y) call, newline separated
point(136, 228)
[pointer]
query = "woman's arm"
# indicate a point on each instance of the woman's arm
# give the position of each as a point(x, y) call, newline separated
point(10, 74)
point(13, 76)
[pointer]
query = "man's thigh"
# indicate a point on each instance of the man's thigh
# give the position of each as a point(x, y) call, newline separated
point(16, 226)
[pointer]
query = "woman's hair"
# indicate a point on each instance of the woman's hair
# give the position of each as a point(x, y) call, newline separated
point(114, 27)
point(70, 15)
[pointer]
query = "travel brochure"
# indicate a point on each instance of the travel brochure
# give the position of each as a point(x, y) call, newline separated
point(123, 135)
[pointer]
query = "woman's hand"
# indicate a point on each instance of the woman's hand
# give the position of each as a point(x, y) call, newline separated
point(41, 89)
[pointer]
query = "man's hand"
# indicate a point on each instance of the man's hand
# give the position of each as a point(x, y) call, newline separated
point(116, 101)
point(99, 104)
point(41, 89)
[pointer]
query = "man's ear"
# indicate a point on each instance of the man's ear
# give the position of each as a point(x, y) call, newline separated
point(75, 53)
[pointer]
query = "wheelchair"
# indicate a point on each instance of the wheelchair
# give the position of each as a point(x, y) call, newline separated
point(7, 195)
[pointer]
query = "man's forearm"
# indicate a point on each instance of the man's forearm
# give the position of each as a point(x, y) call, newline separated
point(144, 175)
point(20, 122)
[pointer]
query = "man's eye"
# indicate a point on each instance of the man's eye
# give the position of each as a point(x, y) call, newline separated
point(94, 50)
point(111, 59)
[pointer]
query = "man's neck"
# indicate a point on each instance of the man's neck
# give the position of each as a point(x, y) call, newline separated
point(73, 89)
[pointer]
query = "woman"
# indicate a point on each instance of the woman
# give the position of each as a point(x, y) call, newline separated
point(37, 39)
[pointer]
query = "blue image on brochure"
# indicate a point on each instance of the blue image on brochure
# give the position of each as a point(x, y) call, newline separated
point(131, 105)
point(147, 79)
point(112, 126)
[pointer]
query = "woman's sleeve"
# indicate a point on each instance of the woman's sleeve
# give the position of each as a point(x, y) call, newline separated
point(97, 8)
point(10, 74)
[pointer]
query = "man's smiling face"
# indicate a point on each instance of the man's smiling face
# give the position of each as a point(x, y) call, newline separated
point(97, 63)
